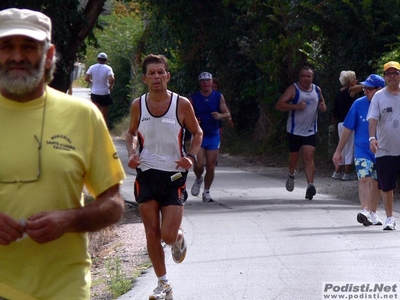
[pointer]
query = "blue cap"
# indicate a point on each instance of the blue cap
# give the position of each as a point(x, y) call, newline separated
point(374, 80)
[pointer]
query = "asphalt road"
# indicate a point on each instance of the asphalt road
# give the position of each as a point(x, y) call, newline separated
point(258, 241)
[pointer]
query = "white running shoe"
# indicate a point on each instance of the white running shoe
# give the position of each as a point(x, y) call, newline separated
point(390, 224)
point(207, 197)
point(364, 217)
point(375, 219)
point(196, 186)
point(179, 249)
point(162, 291)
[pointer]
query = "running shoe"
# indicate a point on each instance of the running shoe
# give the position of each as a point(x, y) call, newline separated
point(349, 177)
point(196, 186)
point(337, 175)
point(290, 183)
point(364, 217)
point(375, 219)
point(179, 249)
point(207, 197)
point(162, 291)
point(310, 192)
point(390, 224)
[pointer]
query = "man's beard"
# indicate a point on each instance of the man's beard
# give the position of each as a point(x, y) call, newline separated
point(21, 83)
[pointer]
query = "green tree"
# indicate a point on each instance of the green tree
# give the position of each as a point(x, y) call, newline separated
point(73, 21)
point(118, 36)
point(256, 48)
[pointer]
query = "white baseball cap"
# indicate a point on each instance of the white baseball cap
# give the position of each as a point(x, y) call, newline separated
point(102, 55)
point(25, 22)
point(205, 76)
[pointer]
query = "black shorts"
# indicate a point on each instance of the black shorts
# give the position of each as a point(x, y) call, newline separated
point(167, 188)
point(387, 168)
point(297, 141)
point(102, 100)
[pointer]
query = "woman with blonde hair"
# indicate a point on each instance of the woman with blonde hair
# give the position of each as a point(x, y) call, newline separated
point(343, 101)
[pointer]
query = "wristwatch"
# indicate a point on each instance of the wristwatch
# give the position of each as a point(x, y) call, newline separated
point(192, 156)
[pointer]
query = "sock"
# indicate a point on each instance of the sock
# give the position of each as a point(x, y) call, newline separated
point(163, 278)
point(206, 191)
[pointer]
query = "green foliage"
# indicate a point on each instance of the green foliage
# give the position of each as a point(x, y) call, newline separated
point(72, 21)
point(254, 47)
point(118, 283)
point(118, 37)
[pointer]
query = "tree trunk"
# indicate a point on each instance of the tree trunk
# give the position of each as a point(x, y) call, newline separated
point(262, 126)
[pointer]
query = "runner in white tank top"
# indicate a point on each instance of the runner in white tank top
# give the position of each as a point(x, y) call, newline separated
point(160, 137)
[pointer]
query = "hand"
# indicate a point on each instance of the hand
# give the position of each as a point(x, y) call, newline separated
point(184, 162)
point(337, 158)
point(134, 161)
point(301, 105)
point(216, 115)
point(322, 106)
point(374, 146)
point(10, 229)
point(47, 226)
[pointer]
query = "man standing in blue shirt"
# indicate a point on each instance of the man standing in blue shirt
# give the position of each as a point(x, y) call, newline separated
point(209, 107)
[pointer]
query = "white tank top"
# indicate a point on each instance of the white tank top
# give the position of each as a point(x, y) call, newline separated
point(160, 138)
point(304, 122)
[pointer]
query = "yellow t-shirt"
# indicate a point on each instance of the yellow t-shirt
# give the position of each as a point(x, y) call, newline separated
point(76, 150)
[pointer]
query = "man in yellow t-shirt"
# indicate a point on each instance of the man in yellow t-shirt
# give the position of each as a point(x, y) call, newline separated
point(52, 145)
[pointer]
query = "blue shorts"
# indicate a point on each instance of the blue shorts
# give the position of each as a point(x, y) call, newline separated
point(211, 142)
point(167, 188)
point(297, 141)
point(365, 168)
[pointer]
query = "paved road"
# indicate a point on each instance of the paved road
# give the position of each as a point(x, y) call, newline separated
point(258, 241)
point(81, 92)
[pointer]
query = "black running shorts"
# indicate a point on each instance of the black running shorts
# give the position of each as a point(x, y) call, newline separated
point(167, 188)
point(297, 141)
point(102, 100)
point(388, 169)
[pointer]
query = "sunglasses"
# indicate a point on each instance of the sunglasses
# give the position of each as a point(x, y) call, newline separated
point(368, 89)
point(392, 74)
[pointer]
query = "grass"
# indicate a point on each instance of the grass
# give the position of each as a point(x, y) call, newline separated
point(119, 283)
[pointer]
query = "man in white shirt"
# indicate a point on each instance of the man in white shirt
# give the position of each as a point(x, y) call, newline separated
point(101, 76)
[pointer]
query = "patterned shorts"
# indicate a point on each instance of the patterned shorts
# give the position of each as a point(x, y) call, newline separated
point(365, 168)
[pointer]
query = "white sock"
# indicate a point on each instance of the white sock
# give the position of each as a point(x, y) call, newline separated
point(163, 278)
